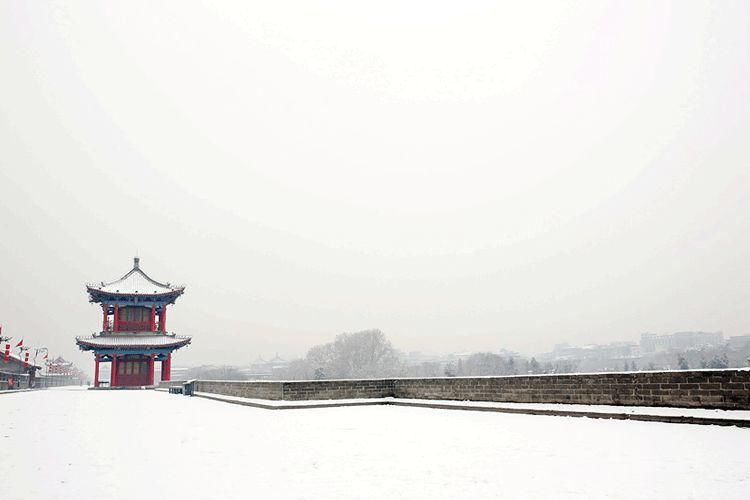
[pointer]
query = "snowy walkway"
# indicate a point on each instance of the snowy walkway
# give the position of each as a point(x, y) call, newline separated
point(145, 444)
point(740, 418)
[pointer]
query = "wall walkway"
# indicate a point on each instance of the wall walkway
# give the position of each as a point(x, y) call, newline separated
point(723, 389)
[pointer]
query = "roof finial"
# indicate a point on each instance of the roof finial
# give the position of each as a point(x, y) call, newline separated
point(136, 262)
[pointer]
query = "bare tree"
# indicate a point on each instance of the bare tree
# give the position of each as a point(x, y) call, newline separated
point(364, 354)
point(487, 363)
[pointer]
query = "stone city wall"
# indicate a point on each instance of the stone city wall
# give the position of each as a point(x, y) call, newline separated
point(256, 390)
point(299, 390)
point(727, 389)
point(337, 389)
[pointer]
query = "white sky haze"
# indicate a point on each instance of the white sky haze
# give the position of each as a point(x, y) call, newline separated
point(462, 175)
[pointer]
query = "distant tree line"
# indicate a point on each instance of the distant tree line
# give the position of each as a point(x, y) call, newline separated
point(488, 363)
point(713, 357)
point(716, 361)
point(369, 354)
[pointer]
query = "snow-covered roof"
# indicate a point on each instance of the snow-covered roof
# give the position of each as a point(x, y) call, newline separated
point(135, 282)
point(17, 359)
point(155, 341)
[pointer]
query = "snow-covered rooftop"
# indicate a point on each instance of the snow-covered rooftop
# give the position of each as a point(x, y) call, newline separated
point(134, 340)
point(16, 359)
point(135, 282)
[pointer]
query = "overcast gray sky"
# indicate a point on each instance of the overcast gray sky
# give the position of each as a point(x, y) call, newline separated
point(462, 175)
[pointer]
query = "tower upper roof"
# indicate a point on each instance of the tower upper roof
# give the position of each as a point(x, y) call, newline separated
point(135, 282)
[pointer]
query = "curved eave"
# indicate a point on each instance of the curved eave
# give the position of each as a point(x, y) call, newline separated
point(89, 346)
point(96, 294)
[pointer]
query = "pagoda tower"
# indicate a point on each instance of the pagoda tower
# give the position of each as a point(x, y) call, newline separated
point(134, 332)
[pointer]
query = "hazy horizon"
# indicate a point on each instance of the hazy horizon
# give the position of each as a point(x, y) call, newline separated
point(461, 177)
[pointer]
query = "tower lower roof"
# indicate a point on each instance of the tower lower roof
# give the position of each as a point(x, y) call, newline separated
point(115, 341)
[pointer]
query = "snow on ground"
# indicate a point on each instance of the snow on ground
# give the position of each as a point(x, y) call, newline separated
point(632, 410)
point(73, 444)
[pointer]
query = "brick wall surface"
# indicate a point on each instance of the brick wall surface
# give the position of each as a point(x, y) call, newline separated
point(256, 390)
point(300, 391)
point(727, 389)
point(338, 389)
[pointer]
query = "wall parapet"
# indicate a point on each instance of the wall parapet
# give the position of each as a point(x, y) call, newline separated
point(301, 390)
point(724, 389)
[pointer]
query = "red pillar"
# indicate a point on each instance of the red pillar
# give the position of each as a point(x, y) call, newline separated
point(96, 371)
point(151, 370)
point(163, 318)
point(116, 321)
point(152, 318)
point(166, 368)
point(105, 310)
point(113, 372)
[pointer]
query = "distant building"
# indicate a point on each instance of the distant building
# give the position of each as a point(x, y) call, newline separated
point(680, 341)
point(260, 369)
point(16, 374)
point(59, 372)
point(60, 366)
point(739, 342)
point(614, 350)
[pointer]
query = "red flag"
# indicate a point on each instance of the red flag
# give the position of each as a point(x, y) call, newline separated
point(20, 343)
point(46, 356)
point(7, 353)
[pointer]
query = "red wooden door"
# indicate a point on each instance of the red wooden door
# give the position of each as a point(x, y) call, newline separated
point(132, 371)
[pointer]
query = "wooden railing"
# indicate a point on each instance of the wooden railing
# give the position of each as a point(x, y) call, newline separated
point(134, 326)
